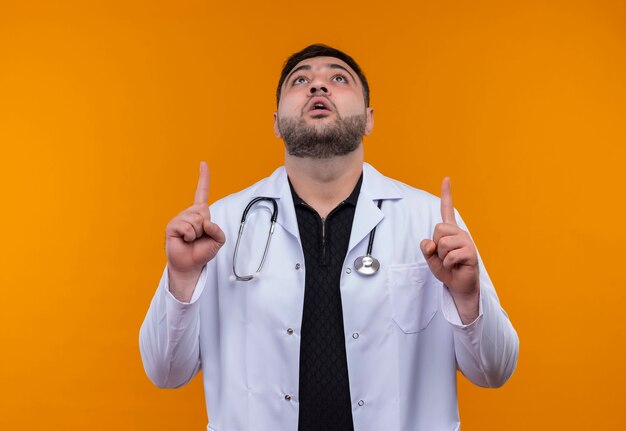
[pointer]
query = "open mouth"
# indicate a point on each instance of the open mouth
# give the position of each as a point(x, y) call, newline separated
point(319, 105)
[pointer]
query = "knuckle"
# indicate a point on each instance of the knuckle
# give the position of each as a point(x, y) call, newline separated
point(173, 225)
point(189, 229)
point(197, 219)
point(441, 253)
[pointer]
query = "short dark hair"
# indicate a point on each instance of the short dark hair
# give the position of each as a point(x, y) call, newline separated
point(320, 50)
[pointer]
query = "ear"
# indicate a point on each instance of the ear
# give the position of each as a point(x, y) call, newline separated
point(369, 120)
point(276, 131)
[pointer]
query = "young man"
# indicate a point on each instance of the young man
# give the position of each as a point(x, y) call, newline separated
point(316, 337)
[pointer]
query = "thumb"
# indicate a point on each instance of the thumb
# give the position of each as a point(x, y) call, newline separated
point(215, 232)
point(428, 248)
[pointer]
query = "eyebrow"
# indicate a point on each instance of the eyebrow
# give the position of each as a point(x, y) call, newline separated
point(339, 66)
point(303, 67)
point(308, 67)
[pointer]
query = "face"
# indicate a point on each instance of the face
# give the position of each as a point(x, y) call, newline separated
point(322, 112)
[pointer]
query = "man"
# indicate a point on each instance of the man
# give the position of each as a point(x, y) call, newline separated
point(305, 341)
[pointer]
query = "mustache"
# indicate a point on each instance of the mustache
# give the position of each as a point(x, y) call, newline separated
point(304, 107)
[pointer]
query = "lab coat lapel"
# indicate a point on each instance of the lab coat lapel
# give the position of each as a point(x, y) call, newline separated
point(277, 187)
point(286, 208)
point(367, 215)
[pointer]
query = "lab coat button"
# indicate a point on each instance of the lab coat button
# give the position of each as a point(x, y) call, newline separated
point(355, 335)
point(289, 331)
point(348, 270)
point(287, 397)
point(361, 402)
point(297, 266)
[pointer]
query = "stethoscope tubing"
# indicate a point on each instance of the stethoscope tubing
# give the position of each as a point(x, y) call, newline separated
point(368, 265)
point(370, 243)
point(370, 268)
point(267, 243)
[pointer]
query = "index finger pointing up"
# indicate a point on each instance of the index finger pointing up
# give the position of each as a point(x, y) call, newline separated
point(447, 209)
point(202, 191)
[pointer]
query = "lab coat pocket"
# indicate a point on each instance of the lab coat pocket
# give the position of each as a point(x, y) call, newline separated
point(413, 298)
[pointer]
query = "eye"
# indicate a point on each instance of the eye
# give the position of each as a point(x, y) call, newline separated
point(299, 80)
point(340, 78)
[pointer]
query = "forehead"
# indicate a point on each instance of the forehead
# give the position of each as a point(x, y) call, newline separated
point(321, 63)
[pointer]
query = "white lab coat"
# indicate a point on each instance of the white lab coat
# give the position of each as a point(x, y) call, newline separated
point(404, 337)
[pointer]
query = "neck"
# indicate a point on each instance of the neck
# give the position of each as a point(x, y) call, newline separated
point(324, 183)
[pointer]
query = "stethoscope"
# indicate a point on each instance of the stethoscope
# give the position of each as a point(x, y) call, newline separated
point(365, 265)
point(267, 244)
point(368, 264)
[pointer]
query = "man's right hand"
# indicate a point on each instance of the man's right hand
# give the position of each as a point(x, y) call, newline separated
point(191, 240)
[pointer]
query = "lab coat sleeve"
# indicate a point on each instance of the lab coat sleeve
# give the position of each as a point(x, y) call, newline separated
point(169, 336)
point(486, 349)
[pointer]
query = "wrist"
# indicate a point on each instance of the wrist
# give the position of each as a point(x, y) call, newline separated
point(467, 304)
point(183, 283)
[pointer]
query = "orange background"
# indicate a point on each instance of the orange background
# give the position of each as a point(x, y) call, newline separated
point(106, 108)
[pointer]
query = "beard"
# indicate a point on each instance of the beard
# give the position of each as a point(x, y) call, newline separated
point(338, 138)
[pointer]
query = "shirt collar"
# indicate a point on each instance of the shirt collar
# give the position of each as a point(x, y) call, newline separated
point(352, 199)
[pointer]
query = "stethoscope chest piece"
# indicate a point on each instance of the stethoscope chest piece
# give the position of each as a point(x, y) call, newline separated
point(366, 265)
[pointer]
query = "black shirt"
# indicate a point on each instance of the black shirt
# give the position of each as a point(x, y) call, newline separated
point(324, 391)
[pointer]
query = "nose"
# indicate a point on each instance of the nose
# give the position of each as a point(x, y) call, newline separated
point(315, 88)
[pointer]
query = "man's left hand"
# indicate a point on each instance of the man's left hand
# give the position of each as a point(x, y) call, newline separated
point(452, 258)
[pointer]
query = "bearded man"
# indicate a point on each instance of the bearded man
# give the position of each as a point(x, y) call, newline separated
point(353, 311)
